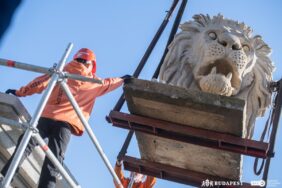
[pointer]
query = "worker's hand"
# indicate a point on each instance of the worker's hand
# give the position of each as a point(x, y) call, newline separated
point(127, 76)
point(12, 91)
point(108, 119)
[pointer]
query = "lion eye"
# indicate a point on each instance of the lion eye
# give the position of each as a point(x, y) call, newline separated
point(212, 35)
point(246, 48)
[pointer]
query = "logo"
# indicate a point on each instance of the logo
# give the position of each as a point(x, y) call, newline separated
point(260, 183)
point(212, 183)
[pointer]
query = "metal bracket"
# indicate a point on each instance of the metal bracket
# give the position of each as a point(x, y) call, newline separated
point(188, 134)
point(33, 129)
point(62, 76)
point(274, 86)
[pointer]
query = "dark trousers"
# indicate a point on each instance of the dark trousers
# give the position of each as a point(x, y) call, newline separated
point(58, 134)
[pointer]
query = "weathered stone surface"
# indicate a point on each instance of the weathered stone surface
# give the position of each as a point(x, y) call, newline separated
point(187, 107)
point(221, 56)
point(12, 108)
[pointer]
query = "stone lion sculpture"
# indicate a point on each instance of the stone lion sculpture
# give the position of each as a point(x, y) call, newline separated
point(220, 56)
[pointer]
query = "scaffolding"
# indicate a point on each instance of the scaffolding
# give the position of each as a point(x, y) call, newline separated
point(58, 76)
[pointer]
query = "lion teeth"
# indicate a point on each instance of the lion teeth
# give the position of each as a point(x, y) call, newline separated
point(213, 71)
point(229, 76)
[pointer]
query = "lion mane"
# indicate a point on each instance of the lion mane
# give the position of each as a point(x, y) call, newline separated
point(220, 56)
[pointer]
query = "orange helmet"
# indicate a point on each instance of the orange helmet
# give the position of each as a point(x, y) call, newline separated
point(88, 55)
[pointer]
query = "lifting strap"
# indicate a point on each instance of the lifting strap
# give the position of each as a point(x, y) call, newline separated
point(266, 129)
point(269, 124)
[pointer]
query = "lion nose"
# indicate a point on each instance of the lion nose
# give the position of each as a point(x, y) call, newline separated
point(229, 41)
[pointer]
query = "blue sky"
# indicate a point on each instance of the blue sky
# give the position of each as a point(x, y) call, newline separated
point(119, 33)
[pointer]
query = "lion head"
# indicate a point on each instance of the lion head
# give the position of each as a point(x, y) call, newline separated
point(220, 56)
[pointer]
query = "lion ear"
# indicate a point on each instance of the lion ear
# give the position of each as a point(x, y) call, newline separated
point(261, 48)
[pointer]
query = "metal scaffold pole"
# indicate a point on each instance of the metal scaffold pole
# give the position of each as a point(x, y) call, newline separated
point(34, 120)
point(90, 132)
point(148, 52)
point(276, 119)
point(39, 69)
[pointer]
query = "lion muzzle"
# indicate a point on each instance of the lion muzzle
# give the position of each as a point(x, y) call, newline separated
point(216, 83)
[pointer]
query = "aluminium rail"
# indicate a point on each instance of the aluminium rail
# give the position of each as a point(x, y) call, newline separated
point(57, 75)
point(39, 69)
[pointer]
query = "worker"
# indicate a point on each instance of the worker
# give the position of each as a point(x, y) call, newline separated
point(135, 180)
point(59, 120)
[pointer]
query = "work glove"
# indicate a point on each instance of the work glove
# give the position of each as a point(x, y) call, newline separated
point(12, 91)
point(108, 119)
point(127, 76)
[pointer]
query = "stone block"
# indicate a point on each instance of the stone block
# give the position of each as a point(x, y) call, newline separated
point(189, 108)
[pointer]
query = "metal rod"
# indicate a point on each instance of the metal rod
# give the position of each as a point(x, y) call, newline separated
point(277, 113)
point(23, 66)
point(34, 120)
point(44, 147)
point(55, 161)
point(81, 78)
point(125, 145)
point(39, 69)
point(136, 73)
point(90, 132)
point(149, 50)
point(172, 34)
point(155, 40)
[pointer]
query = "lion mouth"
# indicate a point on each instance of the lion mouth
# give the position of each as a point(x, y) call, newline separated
point(221, 67)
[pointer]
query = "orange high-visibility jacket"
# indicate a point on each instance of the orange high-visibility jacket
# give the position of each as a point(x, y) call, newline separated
point(148, 183)
point(58, 106)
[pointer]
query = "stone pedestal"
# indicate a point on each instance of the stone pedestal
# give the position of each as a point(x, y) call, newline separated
point(12, 108)
point(189, 108)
